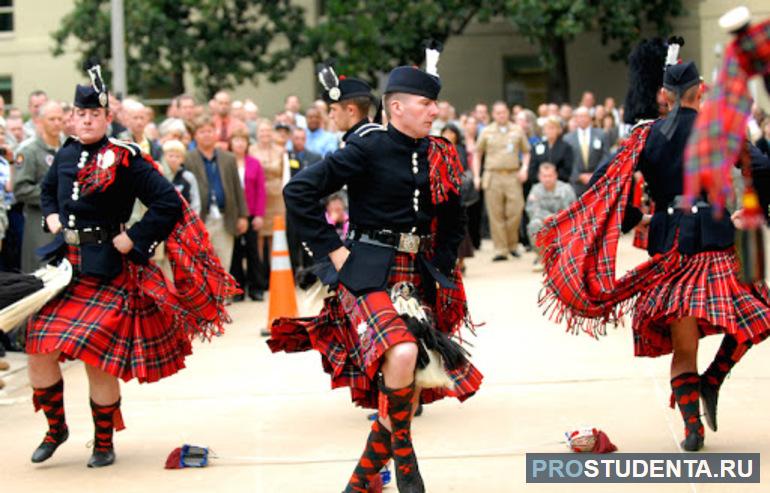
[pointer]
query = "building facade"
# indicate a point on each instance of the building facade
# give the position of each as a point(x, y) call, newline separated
point(488, 62)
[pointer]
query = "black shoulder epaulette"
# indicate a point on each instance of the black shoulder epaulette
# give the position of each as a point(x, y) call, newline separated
point(70, 140)
point(133, 148)
point(369, 128)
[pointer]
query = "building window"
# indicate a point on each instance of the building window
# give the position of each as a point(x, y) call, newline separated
point(6, 89)
point(525, 81)
point(6, 16)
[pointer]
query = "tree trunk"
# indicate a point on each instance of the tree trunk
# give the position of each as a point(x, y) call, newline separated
point(177, 82)
point(558, 77)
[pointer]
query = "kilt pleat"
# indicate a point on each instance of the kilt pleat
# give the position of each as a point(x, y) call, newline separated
point(126, 328)
point(705, 286)
point(352, 333)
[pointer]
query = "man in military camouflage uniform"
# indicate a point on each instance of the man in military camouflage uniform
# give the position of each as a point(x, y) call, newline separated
point(546, 198)
point(33, 160)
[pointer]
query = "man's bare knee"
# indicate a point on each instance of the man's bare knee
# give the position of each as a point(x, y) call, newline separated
point(104, 388)
point(400, 363)
point(43, 358)
point(43, 369)
point(97, 374)
point(402, 355)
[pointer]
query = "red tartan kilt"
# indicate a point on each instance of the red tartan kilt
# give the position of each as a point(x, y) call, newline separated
point(112, 325)
point(351, 357)
point(704, 286)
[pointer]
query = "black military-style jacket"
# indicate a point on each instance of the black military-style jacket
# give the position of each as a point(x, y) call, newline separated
point(110, 208)
point(352, 130)
point(386, 173)
point(662, 164)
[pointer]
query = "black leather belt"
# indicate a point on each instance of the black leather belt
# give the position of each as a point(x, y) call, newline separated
point(403, 242)
point(85, 236)
point(679, 202)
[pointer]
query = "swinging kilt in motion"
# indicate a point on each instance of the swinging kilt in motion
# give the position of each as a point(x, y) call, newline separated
point(111, 325)
point(705, 286)
point(399, 285)
point(692, 272)
point(359, 323)
point(119, 313)
point(352, 333)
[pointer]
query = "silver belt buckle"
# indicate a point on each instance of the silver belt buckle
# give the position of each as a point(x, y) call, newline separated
point(409, 243)
point(72, 236)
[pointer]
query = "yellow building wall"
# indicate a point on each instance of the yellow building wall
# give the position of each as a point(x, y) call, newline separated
point(25, 54)
point(471, 66)
point(270, 96)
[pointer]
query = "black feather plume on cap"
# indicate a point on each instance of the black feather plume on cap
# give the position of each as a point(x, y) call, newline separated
point(645, 78)
point(433, 44)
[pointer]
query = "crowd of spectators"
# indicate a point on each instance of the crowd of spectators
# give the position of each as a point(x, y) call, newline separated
point(231, 162)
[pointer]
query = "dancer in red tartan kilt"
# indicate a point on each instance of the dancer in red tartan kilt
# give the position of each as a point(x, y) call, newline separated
point(119, 314)
point(390, 330)
point(689, 288)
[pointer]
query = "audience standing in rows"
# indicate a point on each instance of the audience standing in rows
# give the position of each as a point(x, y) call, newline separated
point(231, 164)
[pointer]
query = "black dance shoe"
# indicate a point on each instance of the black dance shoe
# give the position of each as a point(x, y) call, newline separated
point(693, 442)
point(46, 449)
point(102, 458)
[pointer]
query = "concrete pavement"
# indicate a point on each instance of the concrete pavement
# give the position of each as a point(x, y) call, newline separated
point(278, 427)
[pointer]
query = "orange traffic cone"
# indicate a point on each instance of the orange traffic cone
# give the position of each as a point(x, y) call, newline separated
point(283, 298)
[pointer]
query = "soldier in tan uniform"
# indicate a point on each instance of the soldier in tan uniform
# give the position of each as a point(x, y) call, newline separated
point(504, 147)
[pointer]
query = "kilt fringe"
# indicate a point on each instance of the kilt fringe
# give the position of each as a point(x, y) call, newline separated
point(578, 246)
point(674, 286)
point(201, 285)
point(556, 311)
point(352, 359)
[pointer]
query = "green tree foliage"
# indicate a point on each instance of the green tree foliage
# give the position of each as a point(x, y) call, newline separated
point(220, 43)
point(552, 24)
point(368, 36)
